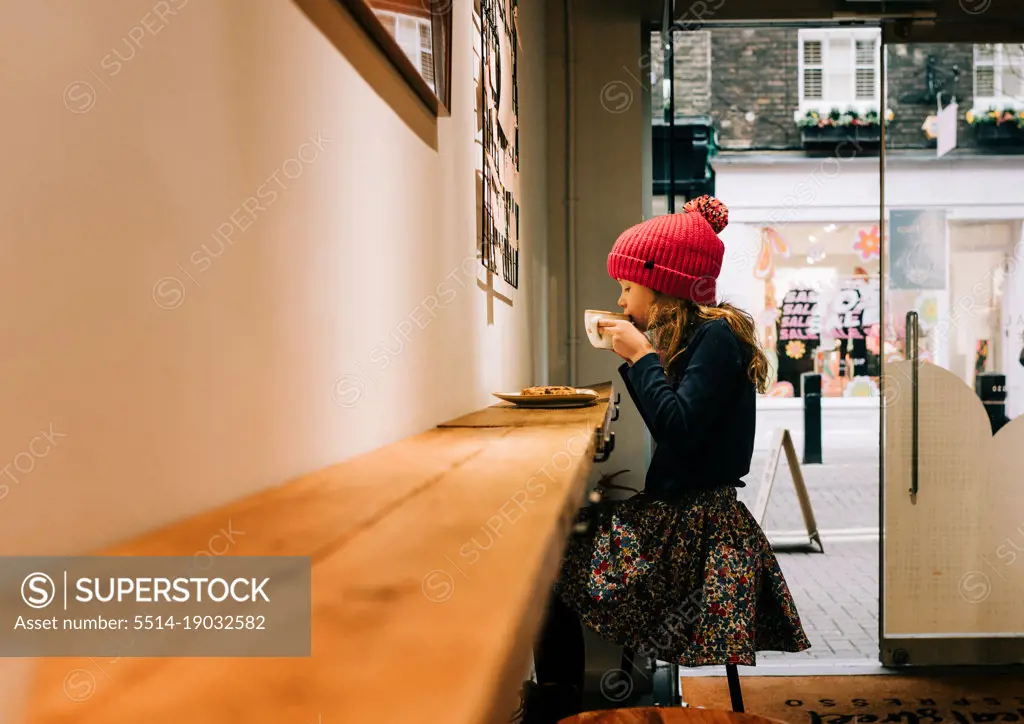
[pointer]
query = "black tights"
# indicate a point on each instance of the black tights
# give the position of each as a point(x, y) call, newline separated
point(559, 654)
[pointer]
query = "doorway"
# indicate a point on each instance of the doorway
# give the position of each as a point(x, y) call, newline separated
point(773, 170)
point(899, 267)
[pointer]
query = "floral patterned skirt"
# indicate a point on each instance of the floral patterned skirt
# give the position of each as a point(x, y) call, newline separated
point(693, 582)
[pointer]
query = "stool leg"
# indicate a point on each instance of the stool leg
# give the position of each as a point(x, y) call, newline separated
point(735, 693)
point(627, 661)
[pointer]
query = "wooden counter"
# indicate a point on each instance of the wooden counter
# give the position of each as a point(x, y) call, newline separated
point(432, 561)
point(505, 414)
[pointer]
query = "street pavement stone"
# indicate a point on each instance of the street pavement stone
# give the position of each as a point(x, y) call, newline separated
point(846, 630)
point(843, 491)
point(836, 592)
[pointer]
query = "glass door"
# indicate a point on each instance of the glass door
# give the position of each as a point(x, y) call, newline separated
point(952, 491)
point(913, 288)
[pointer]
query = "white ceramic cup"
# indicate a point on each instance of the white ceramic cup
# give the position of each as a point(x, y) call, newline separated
point(599, 339)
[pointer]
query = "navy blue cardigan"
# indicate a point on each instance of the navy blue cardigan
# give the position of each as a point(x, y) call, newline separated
point(702, 424)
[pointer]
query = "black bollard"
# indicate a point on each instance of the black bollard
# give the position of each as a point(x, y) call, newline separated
point(810, 390)
point(991, 388)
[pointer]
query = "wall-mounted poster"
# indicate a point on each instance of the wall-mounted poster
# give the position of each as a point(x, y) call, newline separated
point(919, 249)
point(498, 135)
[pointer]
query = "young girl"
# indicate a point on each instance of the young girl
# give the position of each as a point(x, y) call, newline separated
point(680, 572)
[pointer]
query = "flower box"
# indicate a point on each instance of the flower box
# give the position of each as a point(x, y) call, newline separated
point(997, 128)
point(834, 135)
point(1003, 134)
point(820, 131)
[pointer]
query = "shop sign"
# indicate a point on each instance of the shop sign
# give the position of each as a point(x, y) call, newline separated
point(800, 319)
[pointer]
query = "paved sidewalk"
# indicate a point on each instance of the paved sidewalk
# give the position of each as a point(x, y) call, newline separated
point(843, 491)
point(836, 592)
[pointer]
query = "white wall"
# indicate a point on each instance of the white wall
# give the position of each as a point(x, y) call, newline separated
point(269, 366)
point(607, 172)
point(163, 397)
point(608, 64)
point(168, 404)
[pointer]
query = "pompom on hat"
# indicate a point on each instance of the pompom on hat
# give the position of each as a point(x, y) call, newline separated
point(679, 255)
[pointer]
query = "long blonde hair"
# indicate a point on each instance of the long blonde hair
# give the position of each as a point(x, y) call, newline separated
point(672, 322)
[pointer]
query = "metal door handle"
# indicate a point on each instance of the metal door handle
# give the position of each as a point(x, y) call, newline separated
point(913, 354)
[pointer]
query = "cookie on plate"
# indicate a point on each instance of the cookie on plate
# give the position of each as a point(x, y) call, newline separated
point(548, 390)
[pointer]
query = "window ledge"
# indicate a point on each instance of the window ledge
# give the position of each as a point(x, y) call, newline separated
point(985, 104)
point(823, 108)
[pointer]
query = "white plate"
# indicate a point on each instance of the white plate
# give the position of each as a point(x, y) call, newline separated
point(582, 398)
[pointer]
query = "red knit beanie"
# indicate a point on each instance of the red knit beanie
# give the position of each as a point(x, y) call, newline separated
point(679, 255)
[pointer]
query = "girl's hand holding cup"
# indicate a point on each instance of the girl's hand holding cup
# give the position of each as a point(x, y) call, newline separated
point(627, 341)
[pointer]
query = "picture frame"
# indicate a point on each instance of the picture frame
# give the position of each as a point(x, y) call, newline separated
point(497, 133)
point(415, 35)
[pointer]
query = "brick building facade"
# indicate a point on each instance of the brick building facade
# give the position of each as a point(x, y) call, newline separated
point(748, 81)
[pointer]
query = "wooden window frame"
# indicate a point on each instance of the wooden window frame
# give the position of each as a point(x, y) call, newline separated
point(440, 13)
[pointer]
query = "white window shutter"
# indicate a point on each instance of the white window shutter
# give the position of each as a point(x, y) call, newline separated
point(812, 52)
point(865, 90)
point(866, 52)
point(985, 81)
point(813, 71)
point(814, 86)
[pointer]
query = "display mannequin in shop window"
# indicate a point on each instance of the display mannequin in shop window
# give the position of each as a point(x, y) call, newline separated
point(680, 572)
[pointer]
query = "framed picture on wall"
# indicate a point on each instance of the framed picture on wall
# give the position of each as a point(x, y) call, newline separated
point(416, 36)
point(498, 136)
